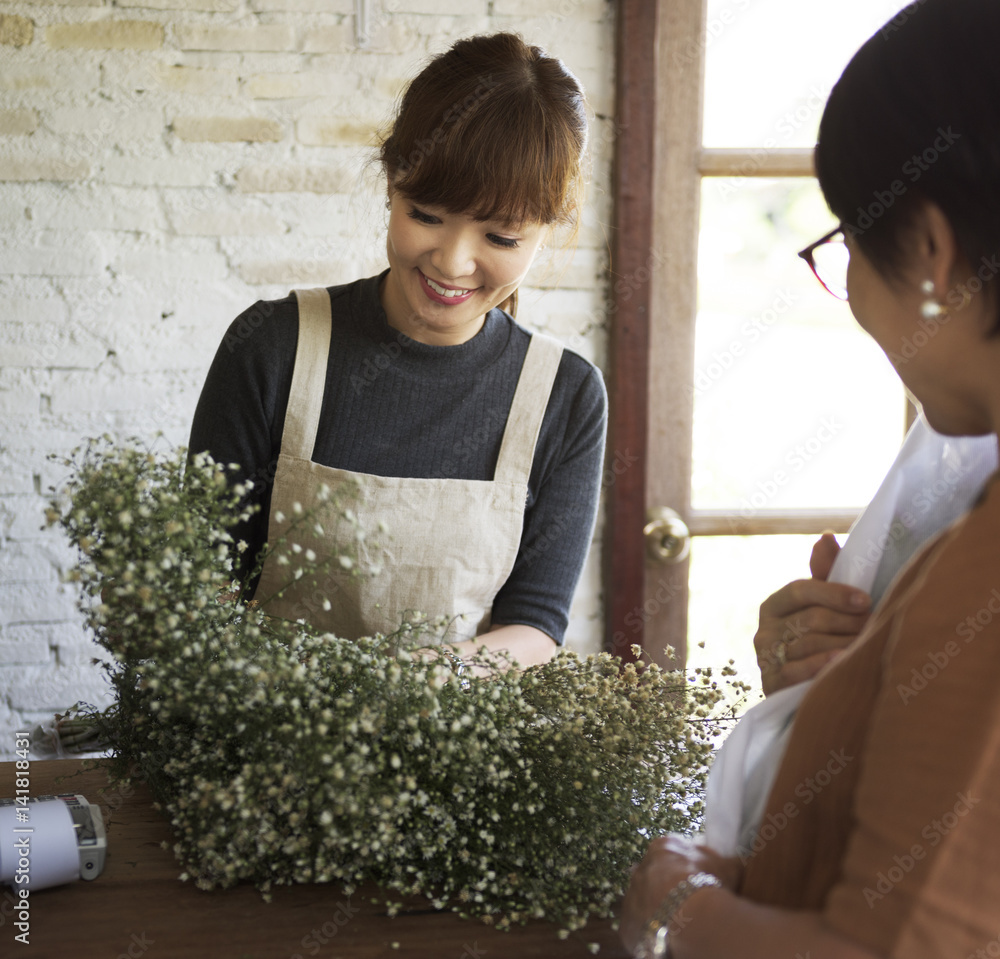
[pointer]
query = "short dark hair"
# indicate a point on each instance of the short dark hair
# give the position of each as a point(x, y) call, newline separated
point(916, 117)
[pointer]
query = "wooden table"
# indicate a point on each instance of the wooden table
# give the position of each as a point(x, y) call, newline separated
point(138, 904)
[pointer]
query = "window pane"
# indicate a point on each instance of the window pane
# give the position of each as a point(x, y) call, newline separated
point(794, 405)
point(730, 577)
point(770, 65)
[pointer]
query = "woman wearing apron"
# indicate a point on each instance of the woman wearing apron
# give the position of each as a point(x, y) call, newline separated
point(478, 445)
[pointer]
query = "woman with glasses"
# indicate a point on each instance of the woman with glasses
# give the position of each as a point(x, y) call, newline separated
point(808, 623)
point(879, 831)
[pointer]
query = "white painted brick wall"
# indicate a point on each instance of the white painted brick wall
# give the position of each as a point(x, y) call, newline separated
point(163, 164)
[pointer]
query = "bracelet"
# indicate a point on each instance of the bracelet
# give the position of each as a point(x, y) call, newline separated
point(654, 944)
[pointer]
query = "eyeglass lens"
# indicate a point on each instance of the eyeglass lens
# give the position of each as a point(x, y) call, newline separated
point(831, 261)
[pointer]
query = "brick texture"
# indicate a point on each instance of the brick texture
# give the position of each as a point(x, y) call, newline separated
point(558, 10)
point(15, 31)
point(165, 163)
point(18, 122)
point(230, 223)
point(208, 6)
point(331, 131)
point(343, 7)
point(241, 39)
point(106, 35)
point(68, 3)
point(292, 179)
point(205, 82)
point(42, 168)
point(338, 39)
point(66, 72)
point(441, 7)
point(292, 273)
point(287, 86)
point(228, 129)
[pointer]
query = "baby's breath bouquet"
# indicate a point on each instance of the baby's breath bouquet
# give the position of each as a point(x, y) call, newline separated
point(282, 755)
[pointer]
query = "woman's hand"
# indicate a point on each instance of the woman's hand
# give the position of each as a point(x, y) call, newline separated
point(808, 623)
point(717, 922)
point(668, 860)
point(496, 651)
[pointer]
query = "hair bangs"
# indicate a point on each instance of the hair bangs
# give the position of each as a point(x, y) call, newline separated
point(491, 164)
point(493, 129)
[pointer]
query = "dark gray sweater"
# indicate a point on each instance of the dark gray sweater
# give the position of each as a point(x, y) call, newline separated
point(396, 407)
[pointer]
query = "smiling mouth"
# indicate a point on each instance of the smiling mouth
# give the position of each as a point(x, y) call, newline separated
point(444, 291)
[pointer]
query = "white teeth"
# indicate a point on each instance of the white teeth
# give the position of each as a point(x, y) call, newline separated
point(441, 291)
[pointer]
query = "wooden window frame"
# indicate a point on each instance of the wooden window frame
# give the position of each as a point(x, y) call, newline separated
point(658, 169)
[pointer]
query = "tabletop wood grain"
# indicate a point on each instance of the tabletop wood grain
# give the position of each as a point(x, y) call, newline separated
point(138, 907)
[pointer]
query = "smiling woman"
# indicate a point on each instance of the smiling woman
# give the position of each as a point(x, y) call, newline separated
point(448, 270)
point(477, 444)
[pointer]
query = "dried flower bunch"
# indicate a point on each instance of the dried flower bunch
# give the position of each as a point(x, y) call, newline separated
point(284, 756)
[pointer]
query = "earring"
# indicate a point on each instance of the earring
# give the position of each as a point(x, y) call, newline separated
point(930, 309)
point(388, 203)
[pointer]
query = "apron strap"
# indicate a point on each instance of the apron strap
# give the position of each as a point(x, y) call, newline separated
point(531, 399)
point(305, 398)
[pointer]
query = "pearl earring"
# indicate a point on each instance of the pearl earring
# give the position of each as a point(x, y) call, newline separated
point(930, 309)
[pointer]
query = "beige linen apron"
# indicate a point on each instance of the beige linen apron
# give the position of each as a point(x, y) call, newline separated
point(449, 544)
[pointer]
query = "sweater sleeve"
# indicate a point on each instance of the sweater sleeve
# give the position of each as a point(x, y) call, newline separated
point(560, 516)
point(241, 409)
